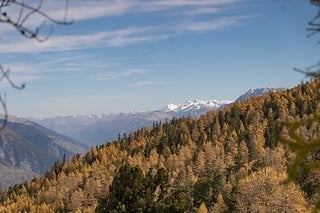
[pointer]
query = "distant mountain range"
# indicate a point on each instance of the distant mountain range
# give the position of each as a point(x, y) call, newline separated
point(27, 149)
point(97, 129)
point(194, 108)
point(256, 92)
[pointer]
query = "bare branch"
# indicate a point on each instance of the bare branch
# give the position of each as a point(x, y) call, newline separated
point(26, 12)
point(314, 26)
point(5, 75)
point(312, 71)
point(5, 112)
point(315, 22)
point(315, 2)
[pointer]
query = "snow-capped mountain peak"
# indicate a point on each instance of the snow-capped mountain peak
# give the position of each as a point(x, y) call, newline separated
point(195, 105)
point(91, 129)
point(256, 92)
point(171, 107)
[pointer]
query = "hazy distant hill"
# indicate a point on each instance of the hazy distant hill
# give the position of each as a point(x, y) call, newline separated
point(96, 129)
point(26, 148)
point(10, 175)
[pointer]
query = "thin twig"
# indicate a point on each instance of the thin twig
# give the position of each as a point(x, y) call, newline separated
point(26, 12)
point(6, 115)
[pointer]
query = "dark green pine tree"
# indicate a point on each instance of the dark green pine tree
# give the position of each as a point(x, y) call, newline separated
point(180, 200)
point(272, 131)
point(207, 188)
point(132, 192)
point(127, 192)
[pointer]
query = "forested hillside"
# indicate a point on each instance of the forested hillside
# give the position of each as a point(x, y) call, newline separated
point(227, 160)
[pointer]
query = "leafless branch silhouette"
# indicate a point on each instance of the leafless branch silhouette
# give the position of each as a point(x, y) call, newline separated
point(301, 146)
point(25, 13)
point(17, 13)
point(314, 27)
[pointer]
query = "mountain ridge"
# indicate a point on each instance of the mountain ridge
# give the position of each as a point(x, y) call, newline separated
point(96, 129)
point(256, 92)
point(28, 149)
point(195, 104)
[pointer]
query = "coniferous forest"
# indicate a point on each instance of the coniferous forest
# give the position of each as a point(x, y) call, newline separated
point(232, 160)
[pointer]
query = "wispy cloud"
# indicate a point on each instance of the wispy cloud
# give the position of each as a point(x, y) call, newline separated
point(102, 76)
point(212, 25)
point(84, 10)
point(89, 68)
point(153, 83)
point(71, 100)
point(117, 38)
point(129, 35)
point(202, 11)
point(147, 83)
point(162, 5)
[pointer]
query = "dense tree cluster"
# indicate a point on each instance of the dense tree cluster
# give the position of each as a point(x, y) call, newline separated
point(227, 160)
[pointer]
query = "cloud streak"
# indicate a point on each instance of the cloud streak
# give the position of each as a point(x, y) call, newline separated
point(187, 21)
point(90, 68)
point(147, 83)
point(85, 10)
point(213, 25)
point(103, 76)
point(118, 38)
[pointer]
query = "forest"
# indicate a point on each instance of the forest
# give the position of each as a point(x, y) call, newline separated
point(261, 155)
point(241, 158)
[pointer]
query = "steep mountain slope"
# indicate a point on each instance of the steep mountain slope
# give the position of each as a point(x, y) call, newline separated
point(61, 140)
point(23, 154)
point(26, 149)
point(229, 159)
point(10, 175)
point(256, 92)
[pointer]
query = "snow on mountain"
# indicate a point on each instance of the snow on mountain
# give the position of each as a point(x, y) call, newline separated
point(195, 105)
point(256, 92)
point(96, 129)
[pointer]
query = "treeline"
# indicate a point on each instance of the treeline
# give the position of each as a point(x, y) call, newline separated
point(227, 160)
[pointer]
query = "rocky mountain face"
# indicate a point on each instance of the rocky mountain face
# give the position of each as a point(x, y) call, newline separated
point(194, 108)
point(256, 92)
point(11, 175)
point(26, 149)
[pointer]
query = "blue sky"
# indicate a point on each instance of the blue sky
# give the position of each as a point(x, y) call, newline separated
point(139, 55)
